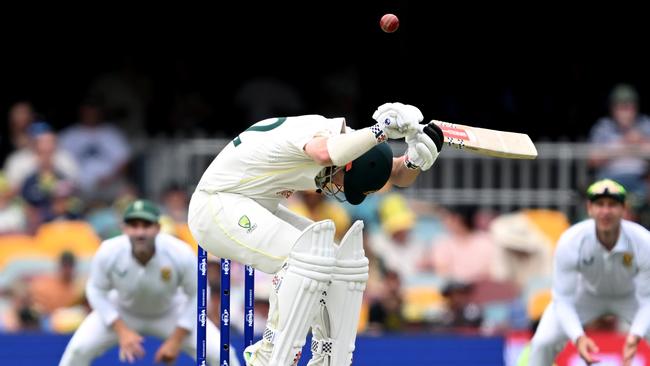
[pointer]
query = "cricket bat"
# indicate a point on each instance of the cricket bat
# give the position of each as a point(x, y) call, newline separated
point(484, 141)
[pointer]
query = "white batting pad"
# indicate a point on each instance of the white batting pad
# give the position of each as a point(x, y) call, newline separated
point(308, 273)
point(335, 328)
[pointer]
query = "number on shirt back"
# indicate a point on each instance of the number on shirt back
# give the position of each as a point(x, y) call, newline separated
point(261, 127)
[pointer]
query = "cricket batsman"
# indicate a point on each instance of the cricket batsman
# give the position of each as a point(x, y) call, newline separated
point(236, 213)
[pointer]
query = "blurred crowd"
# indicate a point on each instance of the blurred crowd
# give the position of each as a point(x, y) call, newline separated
point(432, 268)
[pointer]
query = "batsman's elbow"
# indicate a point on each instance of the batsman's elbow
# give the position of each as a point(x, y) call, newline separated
point(323, 158)
point(317, 150)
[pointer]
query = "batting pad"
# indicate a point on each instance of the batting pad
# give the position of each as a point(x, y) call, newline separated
point(335, 328)
point(308, 273)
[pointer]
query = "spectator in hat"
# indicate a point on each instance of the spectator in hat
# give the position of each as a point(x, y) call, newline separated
point(395, 244)
point(619, 139)
point(523, 246)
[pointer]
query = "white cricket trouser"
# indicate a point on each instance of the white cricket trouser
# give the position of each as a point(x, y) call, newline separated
point(93, 338)
point(236, 227)
point(550, 339)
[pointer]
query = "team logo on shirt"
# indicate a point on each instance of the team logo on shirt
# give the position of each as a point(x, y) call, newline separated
point(588, 261)
point(627, 259)
point(166, 274)
point(245, 222)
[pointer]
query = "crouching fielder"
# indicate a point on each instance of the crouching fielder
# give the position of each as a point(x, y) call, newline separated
point(235, 213)
point(602, 266)
point(141, 283)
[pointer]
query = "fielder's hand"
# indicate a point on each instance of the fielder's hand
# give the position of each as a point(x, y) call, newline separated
point(130, 346)
point(586, 347)
point(397, 120)
point(629, 349)
point(168, 352)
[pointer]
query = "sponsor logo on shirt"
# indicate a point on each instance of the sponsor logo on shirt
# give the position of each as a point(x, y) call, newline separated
point(286, 193)
point(627, 259)
point(246, 223)
point(166, 274)
point(225, 267)
point(277, 281)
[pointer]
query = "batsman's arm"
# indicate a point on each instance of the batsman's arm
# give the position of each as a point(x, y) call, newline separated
point(393, 121)
point(402, 176)
point(340, 149)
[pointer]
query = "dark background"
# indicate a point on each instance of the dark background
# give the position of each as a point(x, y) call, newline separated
point(544, 70)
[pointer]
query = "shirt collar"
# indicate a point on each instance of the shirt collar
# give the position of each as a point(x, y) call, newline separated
point(622, 244)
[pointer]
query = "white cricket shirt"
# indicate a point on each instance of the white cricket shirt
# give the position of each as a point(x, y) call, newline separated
point(582, 264)
point(267, 162)
point(147, 291)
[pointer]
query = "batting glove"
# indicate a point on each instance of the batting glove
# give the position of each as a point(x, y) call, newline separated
point(424, 147)
point(396, 120)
